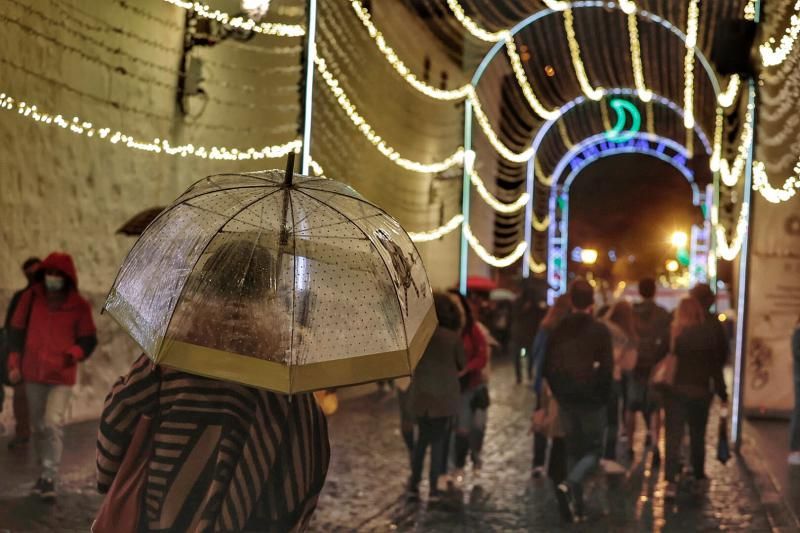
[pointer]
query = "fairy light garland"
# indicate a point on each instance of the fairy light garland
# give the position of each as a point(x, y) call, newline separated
point(726, 98)
point(750, 10)
point(472, 27)
point(540, 225)
point(577, 63)
point(556, 5)
point(82, 127)
point(435, 234)
point(376, 140)
point(493, 202)
point(726, 251)
point(494, 140)
point(483, 253)
point(241, 23)
point(541, 177)
point(716, 154)
point(400, 67)
point(645, 95)
point(693, 16)
point(770, 56)
point(730, 174)
point(771, 194)
point(536, 268)
point(522, 80)
point(627, 6)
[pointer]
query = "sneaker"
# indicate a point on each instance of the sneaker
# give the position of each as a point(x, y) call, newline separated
point(17, 442)
point(537, 472)
point(794, 458)
point(671, 491)
point(37, 487)
point(434, 496)
point(566, 505)
point(612, 467)
point(48, 490)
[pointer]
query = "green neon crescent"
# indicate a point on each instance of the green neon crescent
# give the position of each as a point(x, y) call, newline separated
point(618, 134)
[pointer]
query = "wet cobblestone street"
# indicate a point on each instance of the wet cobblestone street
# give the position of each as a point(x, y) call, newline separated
point(369, 469)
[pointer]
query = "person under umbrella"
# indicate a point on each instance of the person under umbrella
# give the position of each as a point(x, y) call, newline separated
point(226, 457)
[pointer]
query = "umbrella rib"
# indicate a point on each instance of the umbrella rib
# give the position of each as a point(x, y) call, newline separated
point(337, 223)
point(205, 247)
point(385, 265)
point(294, 290)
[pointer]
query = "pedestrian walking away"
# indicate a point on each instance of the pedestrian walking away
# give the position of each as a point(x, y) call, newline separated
point(434, 396)
point(560, 308)
point(525, 320)
point(51, 331)
point(652, 329)
point(22, 428)
point(698, 376)
point(578, 366)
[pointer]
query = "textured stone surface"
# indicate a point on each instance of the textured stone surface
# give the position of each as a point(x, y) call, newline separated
point(365, 486)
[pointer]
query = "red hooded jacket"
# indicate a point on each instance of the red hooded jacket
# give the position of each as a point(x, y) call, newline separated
point(55, 338)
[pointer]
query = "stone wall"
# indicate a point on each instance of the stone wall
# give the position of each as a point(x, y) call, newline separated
point(117, 65)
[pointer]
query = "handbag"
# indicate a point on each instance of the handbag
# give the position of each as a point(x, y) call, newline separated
point(122, 508)
point(480, 400)
point(663, 375)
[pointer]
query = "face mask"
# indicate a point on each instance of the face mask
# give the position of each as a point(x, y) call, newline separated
point(53, 283)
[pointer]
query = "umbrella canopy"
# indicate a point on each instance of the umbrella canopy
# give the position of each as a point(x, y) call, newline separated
point(479, 283)
point(286, 283)
point(498, 295)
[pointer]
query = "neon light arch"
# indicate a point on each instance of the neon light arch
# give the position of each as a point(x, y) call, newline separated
point(490, 55)
point(591, 150)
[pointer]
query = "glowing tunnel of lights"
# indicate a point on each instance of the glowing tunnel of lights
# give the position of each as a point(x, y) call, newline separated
point(598, 147)
point(490, 55)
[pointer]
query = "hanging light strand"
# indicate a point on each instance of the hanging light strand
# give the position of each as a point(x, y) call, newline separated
point(645, 95)
point(693, 17)
point(522, 80)
point(472, 27)
point(536, 268)
point(730, 174)
point(483, 253)
point(494, 140)
point(85, 128)
point(556, 5)
point(726, 251)
point(240, 23)
point(770, 56)
point(577, 63)
point(540, 225)
point(727, 97)
point(771, 194)
point(376, 140)
point(437, 233)
point(494, 203)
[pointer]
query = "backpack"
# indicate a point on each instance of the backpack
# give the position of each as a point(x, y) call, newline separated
point(578, 366)
point(652, 326)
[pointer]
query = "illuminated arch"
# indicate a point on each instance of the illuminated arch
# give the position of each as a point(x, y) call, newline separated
point(490, 55)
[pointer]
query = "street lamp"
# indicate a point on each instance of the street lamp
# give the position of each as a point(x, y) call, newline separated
point(679, 239)
point(588, 256)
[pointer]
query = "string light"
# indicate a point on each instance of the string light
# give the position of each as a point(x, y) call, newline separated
point(536, 268)
point(716, 154)
point(540, 225)
point(730, 174)
point(81, 127)
point(472, 27)
point(628, 6)
point(726, 251)
point(400, 67)
point(771, 194)
point(493, 202)
point(645, 95)
point(775, 56)
point(556, 5)
point(577, 63)
point(693, 16)
point(498, 262)
point(726, 98)
point(541, 177)
point(522, 80)
point(750, 10)
point(562, 132)
point(494, 140)
point(241, 23)
point(344, 102)
point(438, 233)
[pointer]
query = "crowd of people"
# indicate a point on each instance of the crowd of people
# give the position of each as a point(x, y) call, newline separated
point(596, 374)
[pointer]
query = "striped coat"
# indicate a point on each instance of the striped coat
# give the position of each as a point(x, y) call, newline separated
point(226, 457)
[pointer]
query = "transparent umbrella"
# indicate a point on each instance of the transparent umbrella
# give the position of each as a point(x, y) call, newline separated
point(288, 283)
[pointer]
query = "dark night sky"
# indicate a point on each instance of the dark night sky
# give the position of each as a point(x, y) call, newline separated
point(631, 203)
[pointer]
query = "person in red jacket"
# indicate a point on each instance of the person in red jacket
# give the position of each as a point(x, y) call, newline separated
point(51, 332)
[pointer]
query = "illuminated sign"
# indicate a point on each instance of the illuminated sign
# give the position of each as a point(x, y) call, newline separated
point(623, 108)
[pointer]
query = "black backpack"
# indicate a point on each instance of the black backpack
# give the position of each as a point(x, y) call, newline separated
point(652, 326)
point(576, 369)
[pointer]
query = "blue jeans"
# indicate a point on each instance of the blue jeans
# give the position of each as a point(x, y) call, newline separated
point(584, 430)
point(432, 432)
point(47, 405)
